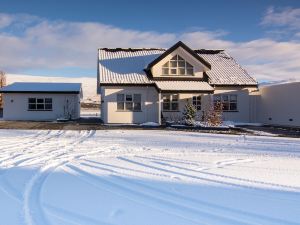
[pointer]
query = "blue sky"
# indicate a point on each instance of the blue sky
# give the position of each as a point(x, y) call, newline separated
point(61, 38)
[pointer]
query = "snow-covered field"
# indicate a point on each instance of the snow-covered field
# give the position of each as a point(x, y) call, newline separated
point(150, 177)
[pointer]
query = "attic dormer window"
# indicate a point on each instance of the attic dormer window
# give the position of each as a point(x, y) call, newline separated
point(177, 66)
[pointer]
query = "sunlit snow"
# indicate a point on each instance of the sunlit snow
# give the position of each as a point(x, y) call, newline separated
point(147, 177)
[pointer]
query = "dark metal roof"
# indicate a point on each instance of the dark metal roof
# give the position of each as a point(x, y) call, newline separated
point(36, 87)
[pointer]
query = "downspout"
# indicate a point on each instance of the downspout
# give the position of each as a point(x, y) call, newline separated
point(159, 107)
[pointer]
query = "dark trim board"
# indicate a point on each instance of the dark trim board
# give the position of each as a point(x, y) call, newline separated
point(126, 84)
point(129, 85)
point(40, 92)
point(159, 90)
point(178, 79)
point(186, 92)
point(235, 85)
point(40, 110)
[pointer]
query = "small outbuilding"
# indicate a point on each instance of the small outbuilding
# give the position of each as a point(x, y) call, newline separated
point(41, 101)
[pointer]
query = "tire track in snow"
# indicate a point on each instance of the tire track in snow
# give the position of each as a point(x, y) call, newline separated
point(33, 212)
point(102, 184)
point(179, 161)
point(207, 207)
point(231, 177)
point(121, 168)
point(195, 177)
point(6, 150)
point(30, 137)
point(19, 145)
point(159, 201)
point(10, 160)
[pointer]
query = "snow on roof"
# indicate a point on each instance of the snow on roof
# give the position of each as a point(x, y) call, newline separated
point(126, 66)
point(183, 86)
point(224, 69)
point(23, 87)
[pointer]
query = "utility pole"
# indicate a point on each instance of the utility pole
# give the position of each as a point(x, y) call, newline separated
point(2, 84)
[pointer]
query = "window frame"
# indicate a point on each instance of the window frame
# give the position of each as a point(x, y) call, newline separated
point(40, 103)
point(196, 102)
point(171, 101)
point(170, 68)
point(129, 99)
point(227, 101)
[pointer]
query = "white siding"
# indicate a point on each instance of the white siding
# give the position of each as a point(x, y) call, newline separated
point(245, 109)
point(243, 113)
point(16, 106)
point(184, 98)
point(110, 114)
point(279, 104)
point(150, 113)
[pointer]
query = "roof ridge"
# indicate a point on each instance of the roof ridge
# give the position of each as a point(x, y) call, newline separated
point(162, 49)
point(131, 49)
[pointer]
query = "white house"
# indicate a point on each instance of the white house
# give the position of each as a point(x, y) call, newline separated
point(41, 101)
point(148, 84)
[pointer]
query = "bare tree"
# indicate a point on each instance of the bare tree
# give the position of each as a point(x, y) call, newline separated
point(213, 115)
point(2, 84)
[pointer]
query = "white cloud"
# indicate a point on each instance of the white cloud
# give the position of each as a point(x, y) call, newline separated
point(282, 23)
point(265, 59)
point(5, 20)
point(288, 17)
point(29, 42)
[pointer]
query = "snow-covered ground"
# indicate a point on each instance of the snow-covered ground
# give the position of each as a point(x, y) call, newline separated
point(89, 112)
point(151, 177)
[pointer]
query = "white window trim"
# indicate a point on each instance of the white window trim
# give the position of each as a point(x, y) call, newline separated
point(222, 96)
point(171, 102)
point(36, 104)
point(197, 102)
point(177, 68)
point(132, 102)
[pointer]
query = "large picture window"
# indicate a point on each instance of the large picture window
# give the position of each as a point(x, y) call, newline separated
point(40, 104)
point(197, 102)
point(228, 102)
point(170, 102)
point(177, 66)
point(129, 102)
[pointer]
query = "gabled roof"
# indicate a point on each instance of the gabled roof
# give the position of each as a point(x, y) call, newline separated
point(127, 66)
point(36, 87)
point(173, 48)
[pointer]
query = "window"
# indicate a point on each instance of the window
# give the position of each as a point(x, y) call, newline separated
point(197, 102)
point(228, 102)
point(129, 102)
point(170, 102)
point(40, 104)
point(177, 66)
